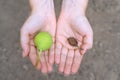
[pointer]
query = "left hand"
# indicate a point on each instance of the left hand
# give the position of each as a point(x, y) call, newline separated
point(72, 24)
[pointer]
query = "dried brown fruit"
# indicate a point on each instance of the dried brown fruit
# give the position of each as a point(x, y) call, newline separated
point(72, 41)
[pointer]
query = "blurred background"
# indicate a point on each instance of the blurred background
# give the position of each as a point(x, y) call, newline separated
point(102, 62)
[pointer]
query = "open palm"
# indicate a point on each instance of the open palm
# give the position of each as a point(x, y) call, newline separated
point(38, 21)
point(67, 56)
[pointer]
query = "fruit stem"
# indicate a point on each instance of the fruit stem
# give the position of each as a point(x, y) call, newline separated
point(38, 57)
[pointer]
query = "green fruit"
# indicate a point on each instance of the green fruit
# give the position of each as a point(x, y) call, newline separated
point(43, 41)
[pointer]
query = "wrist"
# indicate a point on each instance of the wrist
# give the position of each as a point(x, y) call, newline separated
point(38, 5)
point(74, 5)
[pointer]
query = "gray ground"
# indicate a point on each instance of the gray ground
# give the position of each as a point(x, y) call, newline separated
point(100, 63)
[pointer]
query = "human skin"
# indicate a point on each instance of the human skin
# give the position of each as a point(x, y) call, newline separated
point(72, 22)
point(42, 18)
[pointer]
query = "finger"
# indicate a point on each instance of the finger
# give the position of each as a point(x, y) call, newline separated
point(87, 43)
point(63, 59)
point(83, 51)
point(24, 42)
point(49, 68)
point(57, 52)
point(76, 62)
point(38, 67)
point(87, 33)
point(88, 38)
point(33, 55)
point(51, 55)
point(69, 62)
point(43, 64)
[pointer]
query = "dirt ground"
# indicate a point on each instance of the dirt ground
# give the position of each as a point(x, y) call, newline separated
point(100, 63)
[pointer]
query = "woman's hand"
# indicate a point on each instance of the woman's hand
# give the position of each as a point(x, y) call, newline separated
point(42, 18)
point(72, 23)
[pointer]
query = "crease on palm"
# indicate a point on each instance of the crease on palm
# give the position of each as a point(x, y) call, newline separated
point(64, 32)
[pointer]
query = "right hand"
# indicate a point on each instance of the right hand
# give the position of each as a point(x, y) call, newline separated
point(42, 18)
point(72, 23)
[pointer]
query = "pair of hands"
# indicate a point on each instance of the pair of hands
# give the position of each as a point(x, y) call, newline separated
point(72, 22)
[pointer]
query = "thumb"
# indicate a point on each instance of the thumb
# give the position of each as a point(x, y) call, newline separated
point(24, 43)
point(87, 43)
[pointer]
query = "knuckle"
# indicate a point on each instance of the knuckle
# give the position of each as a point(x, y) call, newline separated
point(62, 61)
point(77, 62)
point(51, 50)
point(64, 54)
point(58, 47)
point(52, 53)
point(57, 52)
point(46, 54)
point(69, 63)
point(70, 55)
point(70, 60)
point(77, 55)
